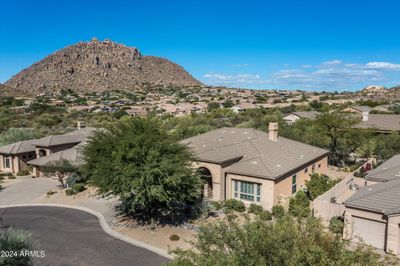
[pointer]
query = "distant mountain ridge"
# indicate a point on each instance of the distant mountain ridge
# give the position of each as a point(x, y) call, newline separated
point(98, 66)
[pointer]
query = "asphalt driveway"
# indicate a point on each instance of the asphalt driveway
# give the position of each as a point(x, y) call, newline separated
point(73, 237)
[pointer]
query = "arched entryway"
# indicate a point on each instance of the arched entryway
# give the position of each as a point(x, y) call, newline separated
point(206, 177)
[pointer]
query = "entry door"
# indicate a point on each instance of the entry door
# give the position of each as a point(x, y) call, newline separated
point(371, 232)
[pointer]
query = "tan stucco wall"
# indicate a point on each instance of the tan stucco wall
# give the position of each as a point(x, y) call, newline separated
point(283, 188)
point(266, 193)
point(393, 235)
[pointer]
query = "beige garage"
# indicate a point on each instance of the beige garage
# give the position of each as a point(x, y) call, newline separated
point(369, 231)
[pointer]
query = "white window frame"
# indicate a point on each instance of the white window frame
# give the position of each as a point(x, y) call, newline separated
point(237, 192)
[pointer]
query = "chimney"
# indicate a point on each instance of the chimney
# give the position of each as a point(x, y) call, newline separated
point(273, 131)
point(365, 116)
point(80, 125)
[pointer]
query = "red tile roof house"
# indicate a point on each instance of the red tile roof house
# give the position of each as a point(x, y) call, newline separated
point(254, 166)
point(373, 213)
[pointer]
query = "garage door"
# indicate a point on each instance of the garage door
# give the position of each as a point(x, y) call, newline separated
point(371, 232)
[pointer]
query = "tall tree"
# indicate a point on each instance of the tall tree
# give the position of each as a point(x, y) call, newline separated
point(148, 168)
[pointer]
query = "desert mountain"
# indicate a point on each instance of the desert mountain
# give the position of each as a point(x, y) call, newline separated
point(98, 66)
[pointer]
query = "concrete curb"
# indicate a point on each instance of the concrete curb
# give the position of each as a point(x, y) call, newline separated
point(106, 228)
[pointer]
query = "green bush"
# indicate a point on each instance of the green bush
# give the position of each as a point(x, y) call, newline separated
point(278, 211)
point(23, 173)
point(17, 241)
point(235, 205)
point(216, 205)
point(10, 176)
point(174, 237)
point(299, 205)
point(265, 215)
point(255, 208)
point(319, 184)
point(69, 192)
point(336, 225)
point(78, 187)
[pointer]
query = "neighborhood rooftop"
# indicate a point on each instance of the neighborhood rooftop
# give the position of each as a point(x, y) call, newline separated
point(253, 152)
point(383, 122)
point(387, 171)
point(383, 198)
point(73, 155)
point(18, 147)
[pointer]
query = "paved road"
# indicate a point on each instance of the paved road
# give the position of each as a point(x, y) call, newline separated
point(73, 237)
point(26, 190)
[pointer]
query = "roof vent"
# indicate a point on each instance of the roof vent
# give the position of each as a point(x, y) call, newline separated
point(278, 165)
point(398, 174)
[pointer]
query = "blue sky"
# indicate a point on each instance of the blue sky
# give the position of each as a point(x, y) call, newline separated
point(312, 45)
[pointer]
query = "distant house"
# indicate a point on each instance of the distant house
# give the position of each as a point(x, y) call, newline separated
point(37, 152)
point(254, 166)
point(386, 108)
point(358, 109)
point(293, 117)
point(373, 213)
point(14, 157)
point(382, 123)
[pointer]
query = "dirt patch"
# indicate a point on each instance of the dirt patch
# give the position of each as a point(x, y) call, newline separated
point(159, 237)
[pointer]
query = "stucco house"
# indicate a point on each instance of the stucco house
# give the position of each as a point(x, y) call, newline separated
point(373, 213)
point(293, 117)
point(359, 109)
point(37, 152)
point(14, 157)
point(254, 166)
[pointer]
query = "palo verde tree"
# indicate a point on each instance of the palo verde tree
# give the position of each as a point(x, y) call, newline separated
point(143, 164)
point(61, 169)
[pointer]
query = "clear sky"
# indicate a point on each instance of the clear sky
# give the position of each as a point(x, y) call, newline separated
point(335, 45)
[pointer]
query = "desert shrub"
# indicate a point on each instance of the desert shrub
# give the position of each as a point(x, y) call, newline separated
point(23, 172)
point(216, 205)
point(10, 176)
point(299, 205)
point(278, 211)
point(15, 240)
point(50, 192)
point(78, 187)
point(336, 225)
point(235, 205)
point(283, 242)
point(255, 208)
point(265, 215)
point(174, 237)
point(69, 192)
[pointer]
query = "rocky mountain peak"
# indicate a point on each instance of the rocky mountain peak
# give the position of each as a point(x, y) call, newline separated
point(98, 66)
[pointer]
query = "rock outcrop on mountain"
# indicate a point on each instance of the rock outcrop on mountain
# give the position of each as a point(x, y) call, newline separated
point(98, 66)
point(4, 90)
